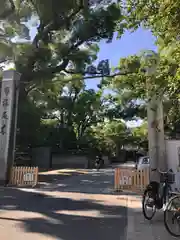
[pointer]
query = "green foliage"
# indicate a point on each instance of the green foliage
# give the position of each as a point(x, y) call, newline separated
point(110, 135)
point(140, 136)
point(86, 111)
point(29, 119)
point(54, 101)
point(164, 81)
point(162, 18)
point(65, 38)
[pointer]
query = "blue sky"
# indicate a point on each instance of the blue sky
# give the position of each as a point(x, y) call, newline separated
point(129, 44)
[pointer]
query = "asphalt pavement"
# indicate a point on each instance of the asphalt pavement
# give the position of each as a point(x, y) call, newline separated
point(80, 207)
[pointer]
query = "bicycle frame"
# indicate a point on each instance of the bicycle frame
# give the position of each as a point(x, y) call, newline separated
point(159, 192)
point(165, 189)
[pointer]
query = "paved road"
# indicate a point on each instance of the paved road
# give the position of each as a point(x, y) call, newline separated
point(77, 208)
point(86, 181)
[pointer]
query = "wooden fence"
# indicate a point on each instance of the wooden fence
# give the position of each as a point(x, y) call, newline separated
point(24, 176)
point(132, 180)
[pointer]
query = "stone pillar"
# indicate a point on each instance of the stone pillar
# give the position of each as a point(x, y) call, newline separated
point(157, 152)
point(8, 119)
point(152, 134)
point(162, 157)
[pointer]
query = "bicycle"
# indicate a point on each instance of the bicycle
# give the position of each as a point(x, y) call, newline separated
point(157, 195)
point(173, 208)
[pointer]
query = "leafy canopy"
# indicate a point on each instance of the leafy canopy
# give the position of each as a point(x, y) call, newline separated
point(65, 36)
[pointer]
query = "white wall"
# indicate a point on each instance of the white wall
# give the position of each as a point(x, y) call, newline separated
point(173, 158)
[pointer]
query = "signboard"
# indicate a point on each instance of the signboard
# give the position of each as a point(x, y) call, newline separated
point(126, 180)
point(28, 177)
point(5, 111)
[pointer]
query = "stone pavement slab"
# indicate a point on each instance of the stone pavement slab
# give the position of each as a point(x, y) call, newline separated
point(77, 208)
point(139, 228)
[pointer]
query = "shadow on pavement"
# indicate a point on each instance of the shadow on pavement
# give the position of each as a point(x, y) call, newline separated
point(60, 217)
point(91, 183)
point(58, 174)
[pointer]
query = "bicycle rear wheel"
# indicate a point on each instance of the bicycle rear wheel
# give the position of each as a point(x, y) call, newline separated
point(172, 216)
point(148, 204)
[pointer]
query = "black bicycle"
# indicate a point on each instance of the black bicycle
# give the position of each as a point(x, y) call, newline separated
point(157, 194)
point(172, 215)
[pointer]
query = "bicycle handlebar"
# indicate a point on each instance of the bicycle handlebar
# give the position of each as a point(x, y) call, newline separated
point(156, 169)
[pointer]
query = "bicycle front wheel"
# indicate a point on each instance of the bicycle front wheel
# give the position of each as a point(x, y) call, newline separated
point(172, 216)
point(148, 204)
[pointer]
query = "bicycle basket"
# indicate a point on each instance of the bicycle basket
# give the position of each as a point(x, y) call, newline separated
point(169, 177)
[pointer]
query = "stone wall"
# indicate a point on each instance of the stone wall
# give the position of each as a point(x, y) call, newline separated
point(73, 161)
point(69, 161)
point(41, 157)
point(44, 159)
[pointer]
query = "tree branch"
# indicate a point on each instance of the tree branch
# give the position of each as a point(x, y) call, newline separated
point(54, 25)
point(88, 77)
point(52, 70)
point(28, 90)
point(40, 35)
point(101, 75)
point(8, 12)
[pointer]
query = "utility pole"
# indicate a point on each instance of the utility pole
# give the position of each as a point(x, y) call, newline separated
point(8, 120)
point(156, 143)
